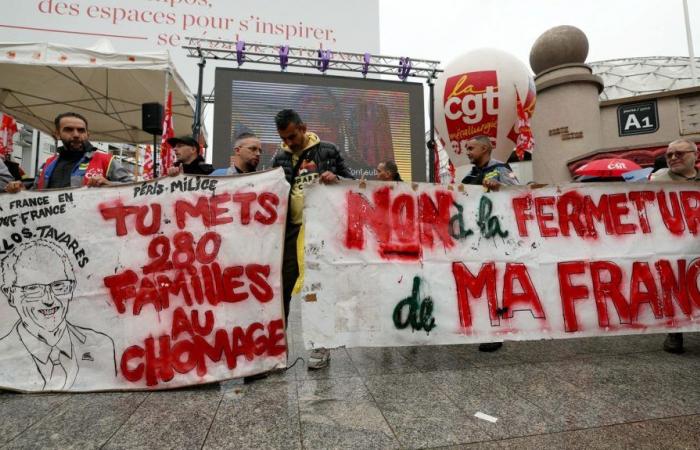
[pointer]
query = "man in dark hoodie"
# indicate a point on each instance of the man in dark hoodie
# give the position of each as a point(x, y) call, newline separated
point(305, 160)
point(76, 163)
point(189, 161)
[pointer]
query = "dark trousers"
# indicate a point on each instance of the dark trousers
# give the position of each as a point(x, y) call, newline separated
point(290, 266)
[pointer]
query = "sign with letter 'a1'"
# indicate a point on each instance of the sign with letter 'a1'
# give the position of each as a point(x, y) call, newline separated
point(637, 118)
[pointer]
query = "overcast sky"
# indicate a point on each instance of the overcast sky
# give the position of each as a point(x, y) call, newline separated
point(444, 29)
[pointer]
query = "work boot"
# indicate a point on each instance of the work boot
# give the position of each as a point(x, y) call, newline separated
point(490, 346)
point(318, 359)
point(674, 343)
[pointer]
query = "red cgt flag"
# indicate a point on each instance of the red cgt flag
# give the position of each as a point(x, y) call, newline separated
point(166, 151)
point(8, 128)
point(524, 142)
point(453, 171)
point(148, 163)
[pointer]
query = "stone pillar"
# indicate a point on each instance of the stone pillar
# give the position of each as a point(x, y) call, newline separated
point(566, 123)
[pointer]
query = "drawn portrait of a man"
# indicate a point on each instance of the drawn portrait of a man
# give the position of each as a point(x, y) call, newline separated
point(43, 350)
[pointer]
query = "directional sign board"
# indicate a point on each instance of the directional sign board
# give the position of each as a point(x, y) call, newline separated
point(637, 118)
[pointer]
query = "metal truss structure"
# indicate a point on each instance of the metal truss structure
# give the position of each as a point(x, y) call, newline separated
point(323, 60)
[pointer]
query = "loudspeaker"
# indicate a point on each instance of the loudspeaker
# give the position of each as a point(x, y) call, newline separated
point(152, 118)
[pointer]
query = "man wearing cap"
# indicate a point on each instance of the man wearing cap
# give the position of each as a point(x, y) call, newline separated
point(76, 163)
point(189, 161)
point(246, 155)
point(681, 157)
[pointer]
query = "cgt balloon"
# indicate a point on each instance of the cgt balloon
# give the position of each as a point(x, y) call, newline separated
point(476, 95)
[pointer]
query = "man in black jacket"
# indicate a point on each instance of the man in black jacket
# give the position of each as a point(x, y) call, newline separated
point(305, 160)
point(492, 174)
point(189, 161)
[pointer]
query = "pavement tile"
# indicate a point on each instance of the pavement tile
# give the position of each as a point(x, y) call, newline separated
point(616, 345)
point(685, 431)
point(438, 357)
point(610, 385)
point(334, 424)
point(659, 389)
point(380, 360)
point(541, 351)
point(21, 411)
point(170, 419)
point(84, 421)
point(487, 445)
point(400, 387)
point(648, 434)
point(350, 389)
point(258, 415)
point(508, 354)
point(557, 397)
point(651, 434)
point(688, 362)
point(476, 390)
point(611, 438)
point(421, 423)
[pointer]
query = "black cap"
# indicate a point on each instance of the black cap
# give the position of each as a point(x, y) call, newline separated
point(187, 140)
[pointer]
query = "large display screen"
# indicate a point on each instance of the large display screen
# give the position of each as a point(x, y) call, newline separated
point(370, 121)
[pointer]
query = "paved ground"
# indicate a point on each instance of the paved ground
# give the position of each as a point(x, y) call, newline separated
point(621, 392)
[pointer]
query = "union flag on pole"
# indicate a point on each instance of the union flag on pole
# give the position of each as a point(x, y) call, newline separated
point(166, 151)
point(148, 163)
point(8, 128)
point(524, 142)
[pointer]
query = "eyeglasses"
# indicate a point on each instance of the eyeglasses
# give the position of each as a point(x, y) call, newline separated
point(252, 149)
point(37, 291)
point(678, 154)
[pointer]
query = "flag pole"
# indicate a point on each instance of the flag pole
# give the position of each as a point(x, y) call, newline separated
point(689, 36)
point(136, 165)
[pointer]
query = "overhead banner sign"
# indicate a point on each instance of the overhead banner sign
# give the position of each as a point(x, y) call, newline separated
point(160, 25)
point(157, 285)
point(419, 264)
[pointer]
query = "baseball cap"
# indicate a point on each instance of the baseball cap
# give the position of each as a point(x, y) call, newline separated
point(187, 140)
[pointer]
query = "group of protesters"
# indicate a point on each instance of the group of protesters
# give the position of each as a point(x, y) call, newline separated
point(305, 159)
point(302, 155)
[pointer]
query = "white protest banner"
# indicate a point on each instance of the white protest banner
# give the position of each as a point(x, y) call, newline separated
point(401, 264)
point(157, 285)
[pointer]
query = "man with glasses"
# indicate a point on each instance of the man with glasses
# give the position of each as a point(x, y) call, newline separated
point(681, 157)
point(43, 351)
point(246, 155)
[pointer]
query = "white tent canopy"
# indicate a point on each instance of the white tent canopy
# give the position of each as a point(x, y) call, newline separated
point(40, 80)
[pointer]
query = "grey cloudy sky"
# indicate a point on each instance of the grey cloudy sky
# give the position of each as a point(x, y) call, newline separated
point(443, 29)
